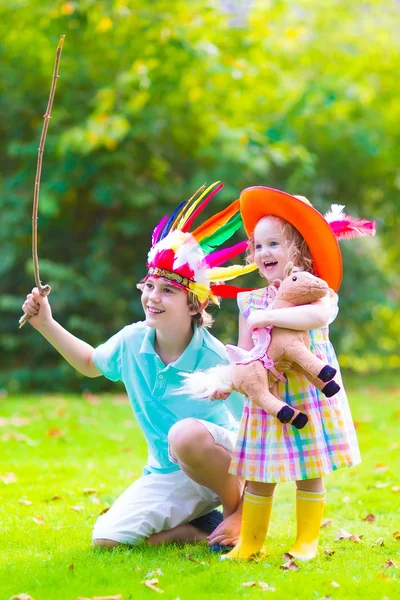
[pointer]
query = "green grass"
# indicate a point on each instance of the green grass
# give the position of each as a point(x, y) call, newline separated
point(68, 443)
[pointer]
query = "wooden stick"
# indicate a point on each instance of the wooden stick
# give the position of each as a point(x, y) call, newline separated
point(43, 289)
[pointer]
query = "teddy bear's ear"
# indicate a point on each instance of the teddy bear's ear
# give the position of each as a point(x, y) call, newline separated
point(288, 269)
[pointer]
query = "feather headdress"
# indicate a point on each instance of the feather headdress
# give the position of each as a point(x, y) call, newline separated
point(193, 261)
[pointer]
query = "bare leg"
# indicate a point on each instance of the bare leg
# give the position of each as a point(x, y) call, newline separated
point(311, 485)
point(182, 533)
point(205, 462)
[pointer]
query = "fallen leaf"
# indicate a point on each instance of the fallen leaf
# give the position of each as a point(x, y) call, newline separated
point(199, 562)
point(381, 485)
point(261, 584)
point(54, 432)
point(9, 478)
point(19, 421)
point(379, 542)
point(381, 467)
point(95, 500)
point(71, 567)
point(104, 510)
point(152, 584)
point(370, 518)
point(116, 597)
point(335, 585)
point(346, 499)
point(326, 523)
point(396, 488)
point(266, 587)
point(53, 498)
point(290, 565)
point(396, 536)
point(153, 573)
point(38, 520)
point(390, 563)
point(77, 508)
point(329, 552)
point(22, 597)
point(88, 491)
point(25, 502)
point(345, 535)
point(18, 437)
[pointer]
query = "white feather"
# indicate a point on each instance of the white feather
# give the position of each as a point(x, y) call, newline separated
point(335, 213)
point(204, 384)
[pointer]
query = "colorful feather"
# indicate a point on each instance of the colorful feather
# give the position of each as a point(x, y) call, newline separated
point(166, 229)
point(209, 243)
point(222, 256)
point(191, 208)
point(215, 222)
point(202, 206)
point(226, 273)
point(228, 291)
point(186, 204)
point(345, 227)
point(155, 236)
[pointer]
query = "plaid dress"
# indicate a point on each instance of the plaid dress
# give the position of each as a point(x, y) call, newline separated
point(270, 451)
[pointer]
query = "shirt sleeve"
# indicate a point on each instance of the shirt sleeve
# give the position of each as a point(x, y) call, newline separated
point(108, 357)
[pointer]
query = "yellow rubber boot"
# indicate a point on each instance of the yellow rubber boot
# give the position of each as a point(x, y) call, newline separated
point(255, 521)
point(309, 511)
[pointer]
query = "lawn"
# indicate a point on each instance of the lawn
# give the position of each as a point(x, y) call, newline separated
point(64, 459)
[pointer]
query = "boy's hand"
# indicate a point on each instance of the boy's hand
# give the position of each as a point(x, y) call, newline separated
point(220, 395)
point(37, 308)
point(227, 533)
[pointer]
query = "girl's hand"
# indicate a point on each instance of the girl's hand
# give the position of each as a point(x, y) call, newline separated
point(38, 309)
point(258, 319)
point(220, 396)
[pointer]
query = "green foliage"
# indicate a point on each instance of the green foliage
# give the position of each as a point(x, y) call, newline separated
point(154, 99)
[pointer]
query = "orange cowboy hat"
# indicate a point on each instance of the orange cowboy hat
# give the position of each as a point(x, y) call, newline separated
point(259, 201)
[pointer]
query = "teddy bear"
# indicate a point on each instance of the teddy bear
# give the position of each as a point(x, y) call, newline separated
point(253, 373)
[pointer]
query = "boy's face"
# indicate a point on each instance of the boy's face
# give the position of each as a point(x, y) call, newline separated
point(165, 305)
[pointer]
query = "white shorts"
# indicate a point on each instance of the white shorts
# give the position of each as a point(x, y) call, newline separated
point(159, 502)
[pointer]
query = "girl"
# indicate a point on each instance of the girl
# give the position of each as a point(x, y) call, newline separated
point(285, 228)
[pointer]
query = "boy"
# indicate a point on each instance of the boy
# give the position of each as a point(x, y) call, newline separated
point(189, 441)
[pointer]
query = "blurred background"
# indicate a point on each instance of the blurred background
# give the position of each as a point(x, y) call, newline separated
point(157, 97)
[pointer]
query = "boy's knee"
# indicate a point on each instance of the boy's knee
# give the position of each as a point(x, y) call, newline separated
point(187, 438)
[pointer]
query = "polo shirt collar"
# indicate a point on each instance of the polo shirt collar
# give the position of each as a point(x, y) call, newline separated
point(188, 360)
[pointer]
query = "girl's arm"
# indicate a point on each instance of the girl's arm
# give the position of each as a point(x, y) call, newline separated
point(301, 318)
point(245, 340)
point(76, 352)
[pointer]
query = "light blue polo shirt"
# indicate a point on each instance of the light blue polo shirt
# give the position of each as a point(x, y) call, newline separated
point(129, 356)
